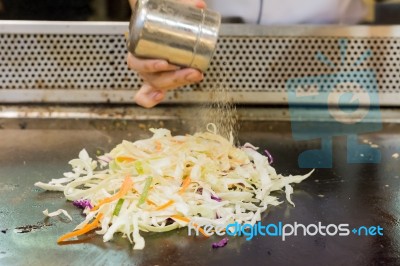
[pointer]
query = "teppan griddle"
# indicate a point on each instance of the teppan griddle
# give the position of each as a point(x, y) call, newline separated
point(355, 194)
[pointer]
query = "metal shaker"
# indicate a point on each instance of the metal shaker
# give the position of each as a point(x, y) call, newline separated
point(167, 29)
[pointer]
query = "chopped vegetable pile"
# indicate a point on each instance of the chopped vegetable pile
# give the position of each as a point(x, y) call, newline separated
point(166, 182)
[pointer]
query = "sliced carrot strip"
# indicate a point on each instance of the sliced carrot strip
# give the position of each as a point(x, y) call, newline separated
point(177, 217)
point(201, 230)
point(185, 185)
point(187, 220)
point(87, 228)
point(158, 145)
point(177, 141)
point(125, 159)
point(166, 205)
point(125, 187)
point(237, 161)
point(150, 202)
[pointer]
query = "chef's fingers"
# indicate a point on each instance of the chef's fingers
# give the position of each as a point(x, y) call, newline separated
point(172, 79)
point(156, 86)
point(148, 96)
point(132, 3)
point(149, 65)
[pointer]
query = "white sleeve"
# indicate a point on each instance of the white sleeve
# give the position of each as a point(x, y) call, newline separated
point(292, 11)
point(248, 10)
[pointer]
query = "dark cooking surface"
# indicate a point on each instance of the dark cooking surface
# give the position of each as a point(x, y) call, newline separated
point(358, 194)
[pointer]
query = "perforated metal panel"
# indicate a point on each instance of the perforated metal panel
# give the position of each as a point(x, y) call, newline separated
point(260, 64)
point(37, 61)
point(86, 64)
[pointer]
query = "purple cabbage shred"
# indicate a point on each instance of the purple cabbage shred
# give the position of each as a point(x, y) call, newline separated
point(82, 204)
point(216, 198)
point(104, 158)
point(270, 158)
point(220, 244)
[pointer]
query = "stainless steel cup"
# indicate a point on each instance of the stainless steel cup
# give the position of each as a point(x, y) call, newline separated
point(181, 34)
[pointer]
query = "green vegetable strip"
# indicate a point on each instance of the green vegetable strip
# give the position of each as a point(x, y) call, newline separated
point(118, 207)
point(139, 168)
point(145, 191)
point(114, 166)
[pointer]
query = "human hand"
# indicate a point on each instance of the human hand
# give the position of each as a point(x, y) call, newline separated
point(158, 75)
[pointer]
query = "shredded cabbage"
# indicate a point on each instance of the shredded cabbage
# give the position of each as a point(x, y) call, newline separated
point(202, 178)
point(56, 213)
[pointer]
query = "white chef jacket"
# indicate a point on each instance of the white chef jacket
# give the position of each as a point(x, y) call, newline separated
point(292, 11)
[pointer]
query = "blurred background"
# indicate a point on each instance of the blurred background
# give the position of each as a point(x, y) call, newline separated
point(386, 11)
point(73, 10)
